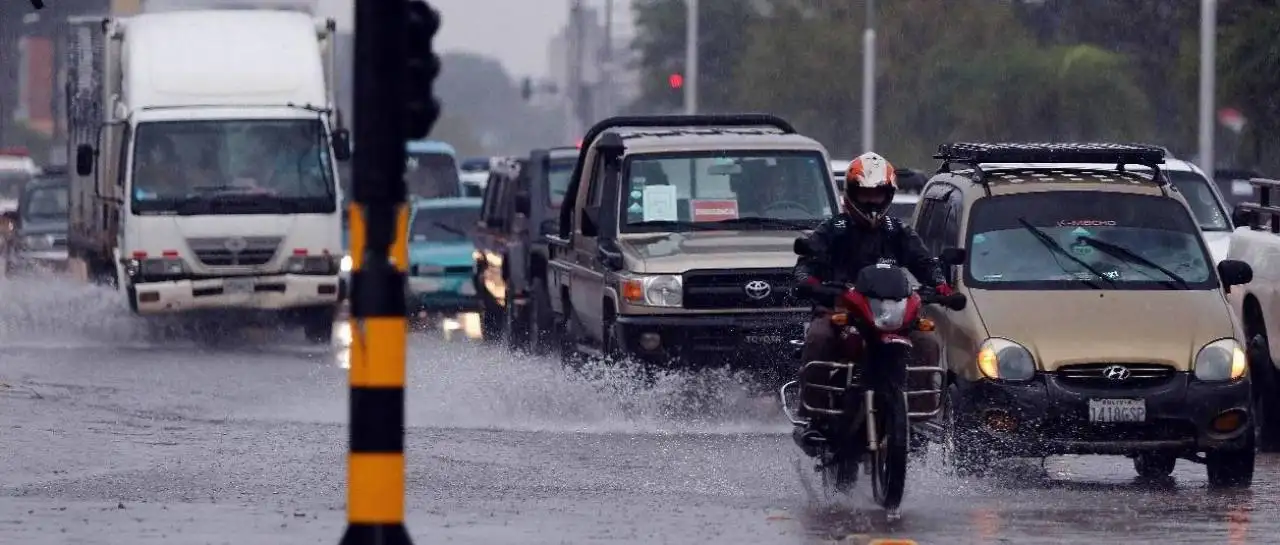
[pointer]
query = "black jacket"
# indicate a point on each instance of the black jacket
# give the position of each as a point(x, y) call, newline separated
point(842, 248)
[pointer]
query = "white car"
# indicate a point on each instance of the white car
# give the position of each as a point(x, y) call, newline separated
point(1201, 193)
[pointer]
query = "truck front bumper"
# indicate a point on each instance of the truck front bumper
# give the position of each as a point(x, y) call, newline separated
point(273, 292)
point(33, 262)
point(746, 340)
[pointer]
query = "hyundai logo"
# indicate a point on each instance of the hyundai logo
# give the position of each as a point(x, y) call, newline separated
point(1117, 373)
point(758, 289)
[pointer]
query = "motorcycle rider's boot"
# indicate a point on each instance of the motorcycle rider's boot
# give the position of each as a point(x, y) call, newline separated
point(807, 439)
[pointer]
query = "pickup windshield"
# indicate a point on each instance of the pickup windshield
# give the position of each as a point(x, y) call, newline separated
point(432, 175)
point(750, 189)
point(558, 180)
point(260, 166)
point(1119, 241)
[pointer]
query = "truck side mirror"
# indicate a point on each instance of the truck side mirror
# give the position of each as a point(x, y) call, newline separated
point(1242, 217)
point(84, 159)
point(522, 203)
point(953, 256)
point(342, 144)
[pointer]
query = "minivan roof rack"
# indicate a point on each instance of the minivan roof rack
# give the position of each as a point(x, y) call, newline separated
point(975, 154)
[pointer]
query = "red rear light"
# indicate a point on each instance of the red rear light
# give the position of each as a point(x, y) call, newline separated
point(299, 251)
point(16, 151)
point(138, 254)
point(169, 253)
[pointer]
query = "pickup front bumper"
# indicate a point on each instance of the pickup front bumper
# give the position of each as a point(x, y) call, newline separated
point(33, 261)
point(274, 292)
point(749, 340)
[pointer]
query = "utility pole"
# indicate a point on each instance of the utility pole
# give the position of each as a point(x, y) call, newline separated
point(605, 88)
point(869, 79)
point(574, 91)
point(395, 72)
point(1208, 79)
point(691, 58)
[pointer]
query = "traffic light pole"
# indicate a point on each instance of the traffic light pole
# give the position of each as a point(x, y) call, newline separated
point(376, 468)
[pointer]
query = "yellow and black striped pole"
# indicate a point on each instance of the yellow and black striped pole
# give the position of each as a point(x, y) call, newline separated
point(394, 75)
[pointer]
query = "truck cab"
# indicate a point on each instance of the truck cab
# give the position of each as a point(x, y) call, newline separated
point(674, 245)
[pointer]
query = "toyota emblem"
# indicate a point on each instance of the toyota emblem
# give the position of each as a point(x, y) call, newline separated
point(1116, 373)
point(758, 289)
point(235, 245)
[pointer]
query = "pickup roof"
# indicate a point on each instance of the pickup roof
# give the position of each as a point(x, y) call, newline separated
point(675, 241)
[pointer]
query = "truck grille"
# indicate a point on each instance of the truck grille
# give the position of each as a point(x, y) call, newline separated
point(718, 289)
point(1094, 375)
point(234, 251)
point(59, 242)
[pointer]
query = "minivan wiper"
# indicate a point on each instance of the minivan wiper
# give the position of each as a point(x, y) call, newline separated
point(1129, 255)
point(449, 228)
point(674, 224)
point(1053, 246)
point(776, 222)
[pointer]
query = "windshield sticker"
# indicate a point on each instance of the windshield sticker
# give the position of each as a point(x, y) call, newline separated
point(714, 209)
point(1088, 223)
point(992, 277)
point(635, 208)
point(979, 238)
point(1081, 232)
point(660, 203)
point(636, 194)
point(1082, 249)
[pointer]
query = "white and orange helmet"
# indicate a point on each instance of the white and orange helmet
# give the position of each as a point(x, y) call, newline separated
point(869, 173)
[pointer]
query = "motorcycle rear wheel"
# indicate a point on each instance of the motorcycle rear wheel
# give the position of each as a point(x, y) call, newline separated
point(889, 461)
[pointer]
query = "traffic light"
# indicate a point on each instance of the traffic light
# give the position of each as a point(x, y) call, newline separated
point(676, 80)
point(421, 68)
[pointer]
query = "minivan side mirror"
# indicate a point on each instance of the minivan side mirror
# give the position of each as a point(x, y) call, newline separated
point(1241, 217)
point(84, 159)
point(342, 144)
point(1234, 272)
point(953, 256)
point(801, 246)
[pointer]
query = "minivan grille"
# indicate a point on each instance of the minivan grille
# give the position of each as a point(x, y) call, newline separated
point(717, 289)
point(230, 252)
point(1095, 375)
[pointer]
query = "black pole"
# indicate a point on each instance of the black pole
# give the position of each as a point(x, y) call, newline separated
point(378, 218)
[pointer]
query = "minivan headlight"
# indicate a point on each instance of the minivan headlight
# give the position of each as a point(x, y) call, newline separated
point(1220, 360)
point(659, 290)
point(1003, 359)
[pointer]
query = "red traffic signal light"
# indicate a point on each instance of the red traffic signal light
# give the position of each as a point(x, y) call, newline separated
point(675, 80)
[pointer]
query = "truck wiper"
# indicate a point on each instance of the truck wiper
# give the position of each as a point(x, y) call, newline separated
point(777, 222)
point(1053, 246)
point(674, 224)
point(1126, 254)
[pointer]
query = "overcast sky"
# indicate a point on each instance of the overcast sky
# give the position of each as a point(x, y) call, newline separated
point(516, 32)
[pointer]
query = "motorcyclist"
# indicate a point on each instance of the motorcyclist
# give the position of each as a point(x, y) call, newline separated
point(863, 235)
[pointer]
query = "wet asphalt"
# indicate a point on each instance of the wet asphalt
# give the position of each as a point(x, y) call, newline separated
point(118, 431)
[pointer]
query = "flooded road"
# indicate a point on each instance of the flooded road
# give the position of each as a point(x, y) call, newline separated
point(114, 433)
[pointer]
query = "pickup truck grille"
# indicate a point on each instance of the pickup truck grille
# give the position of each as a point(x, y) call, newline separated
point(720, 289)
point(234, 251)
point(1094, 375)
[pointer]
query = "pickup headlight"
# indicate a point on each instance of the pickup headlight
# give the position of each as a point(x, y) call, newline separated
point(38, 243)
point(1220, 360)
point(660, 290)
point(345, 265)
point(1004, 359)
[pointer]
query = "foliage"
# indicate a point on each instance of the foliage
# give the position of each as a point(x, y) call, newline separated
point(1249, 61)
point(475, 91)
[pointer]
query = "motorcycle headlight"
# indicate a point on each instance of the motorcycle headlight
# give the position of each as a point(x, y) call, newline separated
point(662, 290)
point(345, 265)
point(887, 314)
point(38, 242)
point(1220, 360)
point(1003, 359)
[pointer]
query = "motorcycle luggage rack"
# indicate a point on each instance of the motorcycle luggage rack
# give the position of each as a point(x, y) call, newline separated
point(834, 392)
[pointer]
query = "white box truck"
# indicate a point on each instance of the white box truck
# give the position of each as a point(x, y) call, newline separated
point(204, 173)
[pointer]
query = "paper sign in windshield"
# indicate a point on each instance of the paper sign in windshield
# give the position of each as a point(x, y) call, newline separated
point(714, 209)
point(660, 203)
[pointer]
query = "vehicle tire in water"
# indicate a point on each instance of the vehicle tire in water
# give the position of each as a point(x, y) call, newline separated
point(317, 324)
point(1266, 396)
point(1231, 468)
point(541, 320)
point(889, 472)
point(517, 328)
point(570, 357)
point(492, 318)
point(1150, 465)
point(960, 448)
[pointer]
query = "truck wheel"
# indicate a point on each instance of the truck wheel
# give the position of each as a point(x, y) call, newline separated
point(1266, 398)
point(1231, 468)
point(570, 357)
point(317, 324)
point(959, 446)
point(492, 319)
point(541, 320)
point(517, 327)
point(1150, 465)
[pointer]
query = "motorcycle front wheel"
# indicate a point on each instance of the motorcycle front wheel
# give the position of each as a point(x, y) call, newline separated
point(889, 460)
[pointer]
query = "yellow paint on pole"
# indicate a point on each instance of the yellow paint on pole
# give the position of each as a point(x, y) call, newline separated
point(378, 353)
point(376, 491)
point(355, 222)
point(400, 248)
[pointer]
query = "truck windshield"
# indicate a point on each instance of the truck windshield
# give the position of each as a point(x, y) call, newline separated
point(750, 189)
point(558, 180)
point(11, 182)
point(432, 175)
point(45, 203)
point(453, 224)
point(259, 166)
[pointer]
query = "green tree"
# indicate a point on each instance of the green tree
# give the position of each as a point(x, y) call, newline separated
point(1249, 64)
point(660, 42)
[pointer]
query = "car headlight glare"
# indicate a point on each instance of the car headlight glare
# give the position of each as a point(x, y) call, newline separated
point(1221, 360)
point(663, 290)
point(346, 263)
point(1003, 359)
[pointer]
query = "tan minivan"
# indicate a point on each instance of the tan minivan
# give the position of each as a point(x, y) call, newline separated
point(1097, 321)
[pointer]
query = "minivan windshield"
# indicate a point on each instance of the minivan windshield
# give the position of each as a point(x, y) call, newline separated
point(451, 224)
point(432, 175)
point(1199, 195)
point(748, 189)
point(44, 203)
point(1085, 240)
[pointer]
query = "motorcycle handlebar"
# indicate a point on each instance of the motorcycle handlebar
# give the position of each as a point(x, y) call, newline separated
point(827, 292)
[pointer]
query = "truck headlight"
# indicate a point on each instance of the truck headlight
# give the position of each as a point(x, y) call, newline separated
point(156, 266)
point(660, 290)
point(316, 264)
point(38, 243)
point(1220, 360)
point(345, 265)
point(1003, 359)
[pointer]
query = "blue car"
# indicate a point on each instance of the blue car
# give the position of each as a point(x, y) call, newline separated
point(440, 256)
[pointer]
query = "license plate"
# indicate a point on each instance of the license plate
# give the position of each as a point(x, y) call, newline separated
point(468, 288)
point(1117, 410)
point(232, 286)
point(763, 339)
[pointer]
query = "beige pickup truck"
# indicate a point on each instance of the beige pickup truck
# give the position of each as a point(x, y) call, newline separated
point(675, 241)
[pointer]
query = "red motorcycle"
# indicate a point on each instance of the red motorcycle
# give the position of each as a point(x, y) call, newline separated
point(856, 408)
